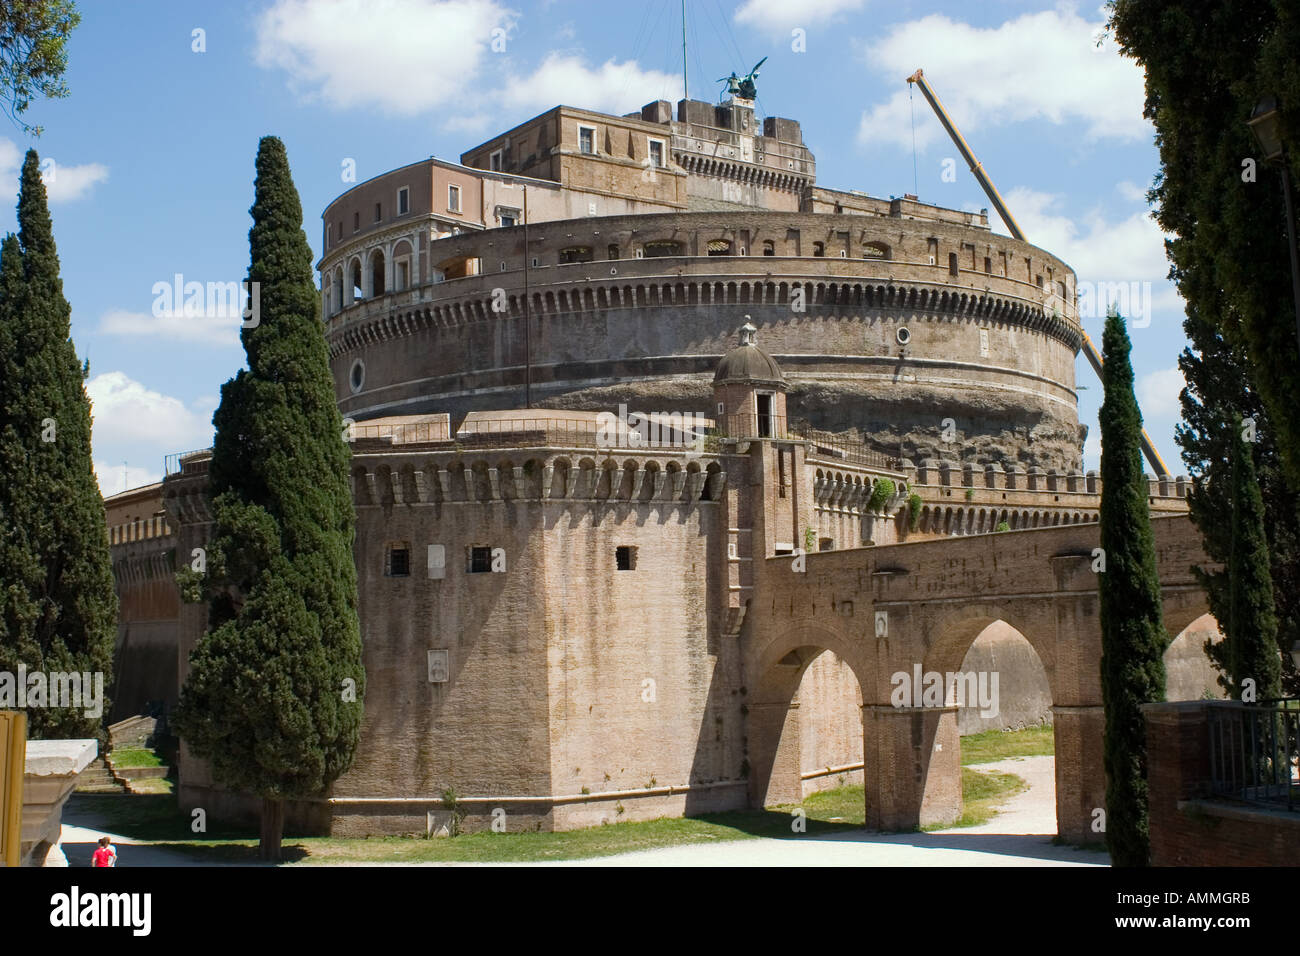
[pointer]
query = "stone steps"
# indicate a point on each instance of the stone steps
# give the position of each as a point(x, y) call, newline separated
point(97, 778)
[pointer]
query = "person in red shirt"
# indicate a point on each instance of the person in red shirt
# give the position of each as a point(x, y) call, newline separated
point(105, 855)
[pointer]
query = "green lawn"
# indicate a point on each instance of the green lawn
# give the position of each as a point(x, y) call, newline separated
point(995, 745)
point(130, 757)
point(157, 818)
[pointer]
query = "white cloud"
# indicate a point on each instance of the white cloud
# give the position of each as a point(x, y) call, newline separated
point(612, 87)
point(1040, 66)
point(172, 326)
point(114, 479)
point(127, 415)
point(403, 56)
point(1130, 249)
point(780, 16)
point(1157, 393)
point(63, 183)
point(1132, 192)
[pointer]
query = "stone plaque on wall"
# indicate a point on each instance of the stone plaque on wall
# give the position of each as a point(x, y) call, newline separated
point(439, 666)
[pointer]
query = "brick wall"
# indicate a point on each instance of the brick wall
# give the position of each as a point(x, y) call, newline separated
point(1187, 828)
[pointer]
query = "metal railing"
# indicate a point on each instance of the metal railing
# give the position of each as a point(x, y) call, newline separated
point(838, 448)
point(1254, 755)
point(175, 463)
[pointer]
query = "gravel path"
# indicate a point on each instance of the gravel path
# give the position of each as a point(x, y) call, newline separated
point(1020, 835)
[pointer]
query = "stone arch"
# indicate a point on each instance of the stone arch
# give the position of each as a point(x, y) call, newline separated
point(1189, 675)
point(772, 751)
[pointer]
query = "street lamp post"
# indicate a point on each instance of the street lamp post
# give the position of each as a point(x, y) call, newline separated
point(1265, 123)
point(528, 332)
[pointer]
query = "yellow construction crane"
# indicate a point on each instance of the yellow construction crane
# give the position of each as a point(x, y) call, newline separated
point(977, 170)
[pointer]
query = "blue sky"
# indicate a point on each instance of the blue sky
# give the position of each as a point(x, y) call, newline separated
point(153, 151)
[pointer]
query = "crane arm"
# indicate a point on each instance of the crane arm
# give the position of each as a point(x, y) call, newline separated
point(977, 170)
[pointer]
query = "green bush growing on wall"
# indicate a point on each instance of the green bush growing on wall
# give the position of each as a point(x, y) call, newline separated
point(883, 491)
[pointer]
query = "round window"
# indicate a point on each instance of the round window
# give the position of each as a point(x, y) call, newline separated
point(358, 375)
point(903, 335)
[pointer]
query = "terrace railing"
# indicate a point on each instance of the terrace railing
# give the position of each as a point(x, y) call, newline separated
point(1254, 755)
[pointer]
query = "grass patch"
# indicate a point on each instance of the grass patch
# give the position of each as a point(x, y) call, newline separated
point(156, 818)
point(982, 792)
point(129, 757)
point(152, 785)
point(994, 745)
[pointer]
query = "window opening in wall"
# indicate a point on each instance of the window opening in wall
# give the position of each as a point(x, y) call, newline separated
point(764, 409)
point(403, 201)
point(587, 140)
point(662, 247)
point(1038, 280)
point(780, 473)
point(575, 254)
point(819, 249)
point(657, 152)
point(625, 558)
point(356, 221)
point(397, 560)
point(952, 263)
point(875, 250)
point(988, 266)
point(769, 247)
point(379, 211)
point(719, 247)
point(480, 560)
point(509, 217)
point(984, 343)
point(403, 274)
point(611, 252)
point(494, 160)
point(826, 544)
point(453, 198)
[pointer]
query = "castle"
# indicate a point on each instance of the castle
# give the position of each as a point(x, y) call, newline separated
point(605, 379)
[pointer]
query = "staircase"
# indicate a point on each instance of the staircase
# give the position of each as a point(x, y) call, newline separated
point(97, 778)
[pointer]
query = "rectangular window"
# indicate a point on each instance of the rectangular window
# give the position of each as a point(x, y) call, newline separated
point(356, 221)
point(657, 152)
point(480, 560)
point(984, 343)
point(764, 409)
point(587, 140)
point(507, 220)
point(453, 198)
point(625, 558)
point(437, 561)
point(379, 211)
point(397, 560)
point(494, 160)
point(403, 274)
point(403, 201)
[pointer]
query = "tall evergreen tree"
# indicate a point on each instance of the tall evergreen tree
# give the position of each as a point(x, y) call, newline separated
point(273, 697)
point(1252, 623)
point(58, 608)
point(1218, 392)
point(1207, 65)
point(1133, 638)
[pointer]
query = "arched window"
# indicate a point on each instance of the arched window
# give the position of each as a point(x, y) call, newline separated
point(769, 247)
point(377, 273)
point(819, 249)
point(875, 250)
point(718, 247)
point(357, 292)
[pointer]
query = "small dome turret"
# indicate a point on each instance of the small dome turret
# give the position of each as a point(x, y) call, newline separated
point(748, 363)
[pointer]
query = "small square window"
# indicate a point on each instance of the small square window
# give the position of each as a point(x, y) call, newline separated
point(587, 140)
point(453, 199)
point(397, 561)
point(480, 560)
point(403, 201)
point(625, 557)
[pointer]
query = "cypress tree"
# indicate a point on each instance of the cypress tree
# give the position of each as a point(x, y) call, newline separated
point(1133, 637)
point(1251, 628)
point(273, 697)
point(59, 608)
